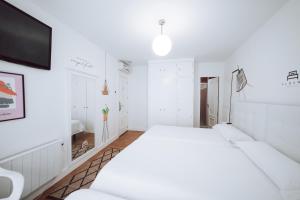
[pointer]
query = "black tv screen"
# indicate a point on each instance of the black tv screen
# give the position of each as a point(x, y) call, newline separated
point(24, 39)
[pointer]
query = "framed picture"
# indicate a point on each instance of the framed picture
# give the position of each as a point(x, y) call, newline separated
point(12, 96)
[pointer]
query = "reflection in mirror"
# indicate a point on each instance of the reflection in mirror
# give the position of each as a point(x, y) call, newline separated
point(82, 141)
point(83, 115)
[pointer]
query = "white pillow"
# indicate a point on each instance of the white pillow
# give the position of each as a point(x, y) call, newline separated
point(283, 171)
point(231, 133)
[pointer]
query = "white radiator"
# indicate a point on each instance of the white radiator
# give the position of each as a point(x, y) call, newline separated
point(38, 166)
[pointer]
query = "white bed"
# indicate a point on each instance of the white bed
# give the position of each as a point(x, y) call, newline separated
point(160, 169)
point(77, 126)
point(185, 163)
point(86, 194)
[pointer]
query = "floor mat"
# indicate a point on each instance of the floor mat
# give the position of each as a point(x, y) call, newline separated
point(84, 178)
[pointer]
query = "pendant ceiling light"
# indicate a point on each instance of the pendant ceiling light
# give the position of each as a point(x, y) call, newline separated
point(105, 87)
point(162, 44)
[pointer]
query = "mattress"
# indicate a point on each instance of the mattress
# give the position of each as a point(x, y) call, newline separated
point(157, 168)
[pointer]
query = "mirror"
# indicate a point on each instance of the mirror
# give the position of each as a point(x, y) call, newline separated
point(82, 115)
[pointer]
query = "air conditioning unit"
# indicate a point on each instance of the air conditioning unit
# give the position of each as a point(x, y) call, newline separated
point(124, 66)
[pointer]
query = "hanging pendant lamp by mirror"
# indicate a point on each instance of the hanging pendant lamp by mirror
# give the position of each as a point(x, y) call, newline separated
point(162, 44)
point(105, 87)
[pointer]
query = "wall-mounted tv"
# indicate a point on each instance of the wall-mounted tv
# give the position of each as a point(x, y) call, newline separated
point(24, 39)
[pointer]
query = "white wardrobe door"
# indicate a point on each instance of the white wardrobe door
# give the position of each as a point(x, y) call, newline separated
point(162, 94)
point(168, 95)
point(185, 101)
point(154, 98)
point(90, 104)
point(185, 69)
point(78, 98)
point(185, 93)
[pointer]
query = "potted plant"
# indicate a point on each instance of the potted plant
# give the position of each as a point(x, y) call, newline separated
point(105, 113)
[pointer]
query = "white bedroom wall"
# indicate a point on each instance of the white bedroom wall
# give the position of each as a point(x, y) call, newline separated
point(47, 92)
point(138, 98)
point(210, 69)
point(267, 57)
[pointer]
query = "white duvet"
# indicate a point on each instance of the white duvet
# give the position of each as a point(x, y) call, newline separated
point(157, 168)
point(85, 194)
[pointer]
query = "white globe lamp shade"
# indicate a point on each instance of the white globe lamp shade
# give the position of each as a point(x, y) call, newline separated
point(162, 45)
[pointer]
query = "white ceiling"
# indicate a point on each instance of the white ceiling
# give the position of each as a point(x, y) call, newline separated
point(209, 30)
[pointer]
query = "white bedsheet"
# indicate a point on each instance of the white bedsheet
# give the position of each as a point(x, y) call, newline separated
point(85, 194)
point(160, 169)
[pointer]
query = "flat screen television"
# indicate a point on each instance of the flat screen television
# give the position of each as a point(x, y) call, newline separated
point(24, 39)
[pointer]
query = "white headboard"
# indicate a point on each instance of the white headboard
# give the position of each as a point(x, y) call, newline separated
point(278, 125)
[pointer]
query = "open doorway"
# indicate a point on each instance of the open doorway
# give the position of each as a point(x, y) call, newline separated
point(209, 101)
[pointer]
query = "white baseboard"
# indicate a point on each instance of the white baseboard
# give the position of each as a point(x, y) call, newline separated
point(69, 169)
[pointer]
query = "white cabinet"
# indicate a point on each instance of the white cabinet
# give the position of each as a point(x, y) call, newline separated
point(171, 92)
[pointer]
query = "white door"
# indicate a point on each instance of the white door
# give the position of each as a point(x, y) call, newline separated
point(185, 94)
point(90, 104)
point(167, 93)
point(213, 100)
point(162, 94)
point(123, 103)
point(154, 82)
point(185, 102)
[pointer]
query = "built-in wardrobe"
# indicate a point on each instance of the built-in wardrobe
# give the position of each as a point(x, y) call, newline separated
point(171, 92)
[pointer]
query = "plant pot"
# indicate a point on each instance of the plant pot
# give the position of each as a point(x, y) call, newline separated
point(105, 117)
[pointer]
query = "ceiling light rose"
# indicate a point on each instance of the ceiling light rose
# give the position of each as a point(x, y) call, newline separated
point(162, 44)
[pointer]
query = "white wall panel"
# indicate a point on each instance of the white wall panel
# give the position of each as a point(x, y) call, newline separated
point(35, 169)
point(38, 166)
point(27, 173)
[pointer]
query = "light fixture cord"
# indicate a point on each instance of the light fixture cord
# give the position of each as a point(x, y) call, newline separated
point(105, 65)
point(161, 29)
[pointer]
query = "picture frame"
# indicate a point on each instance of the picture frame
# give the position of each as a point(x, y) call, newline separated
point(12, 96)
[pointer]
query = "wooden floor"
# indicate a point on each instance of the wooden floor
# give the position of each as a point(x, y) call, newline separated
point(78, 139)
point(84, 175)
